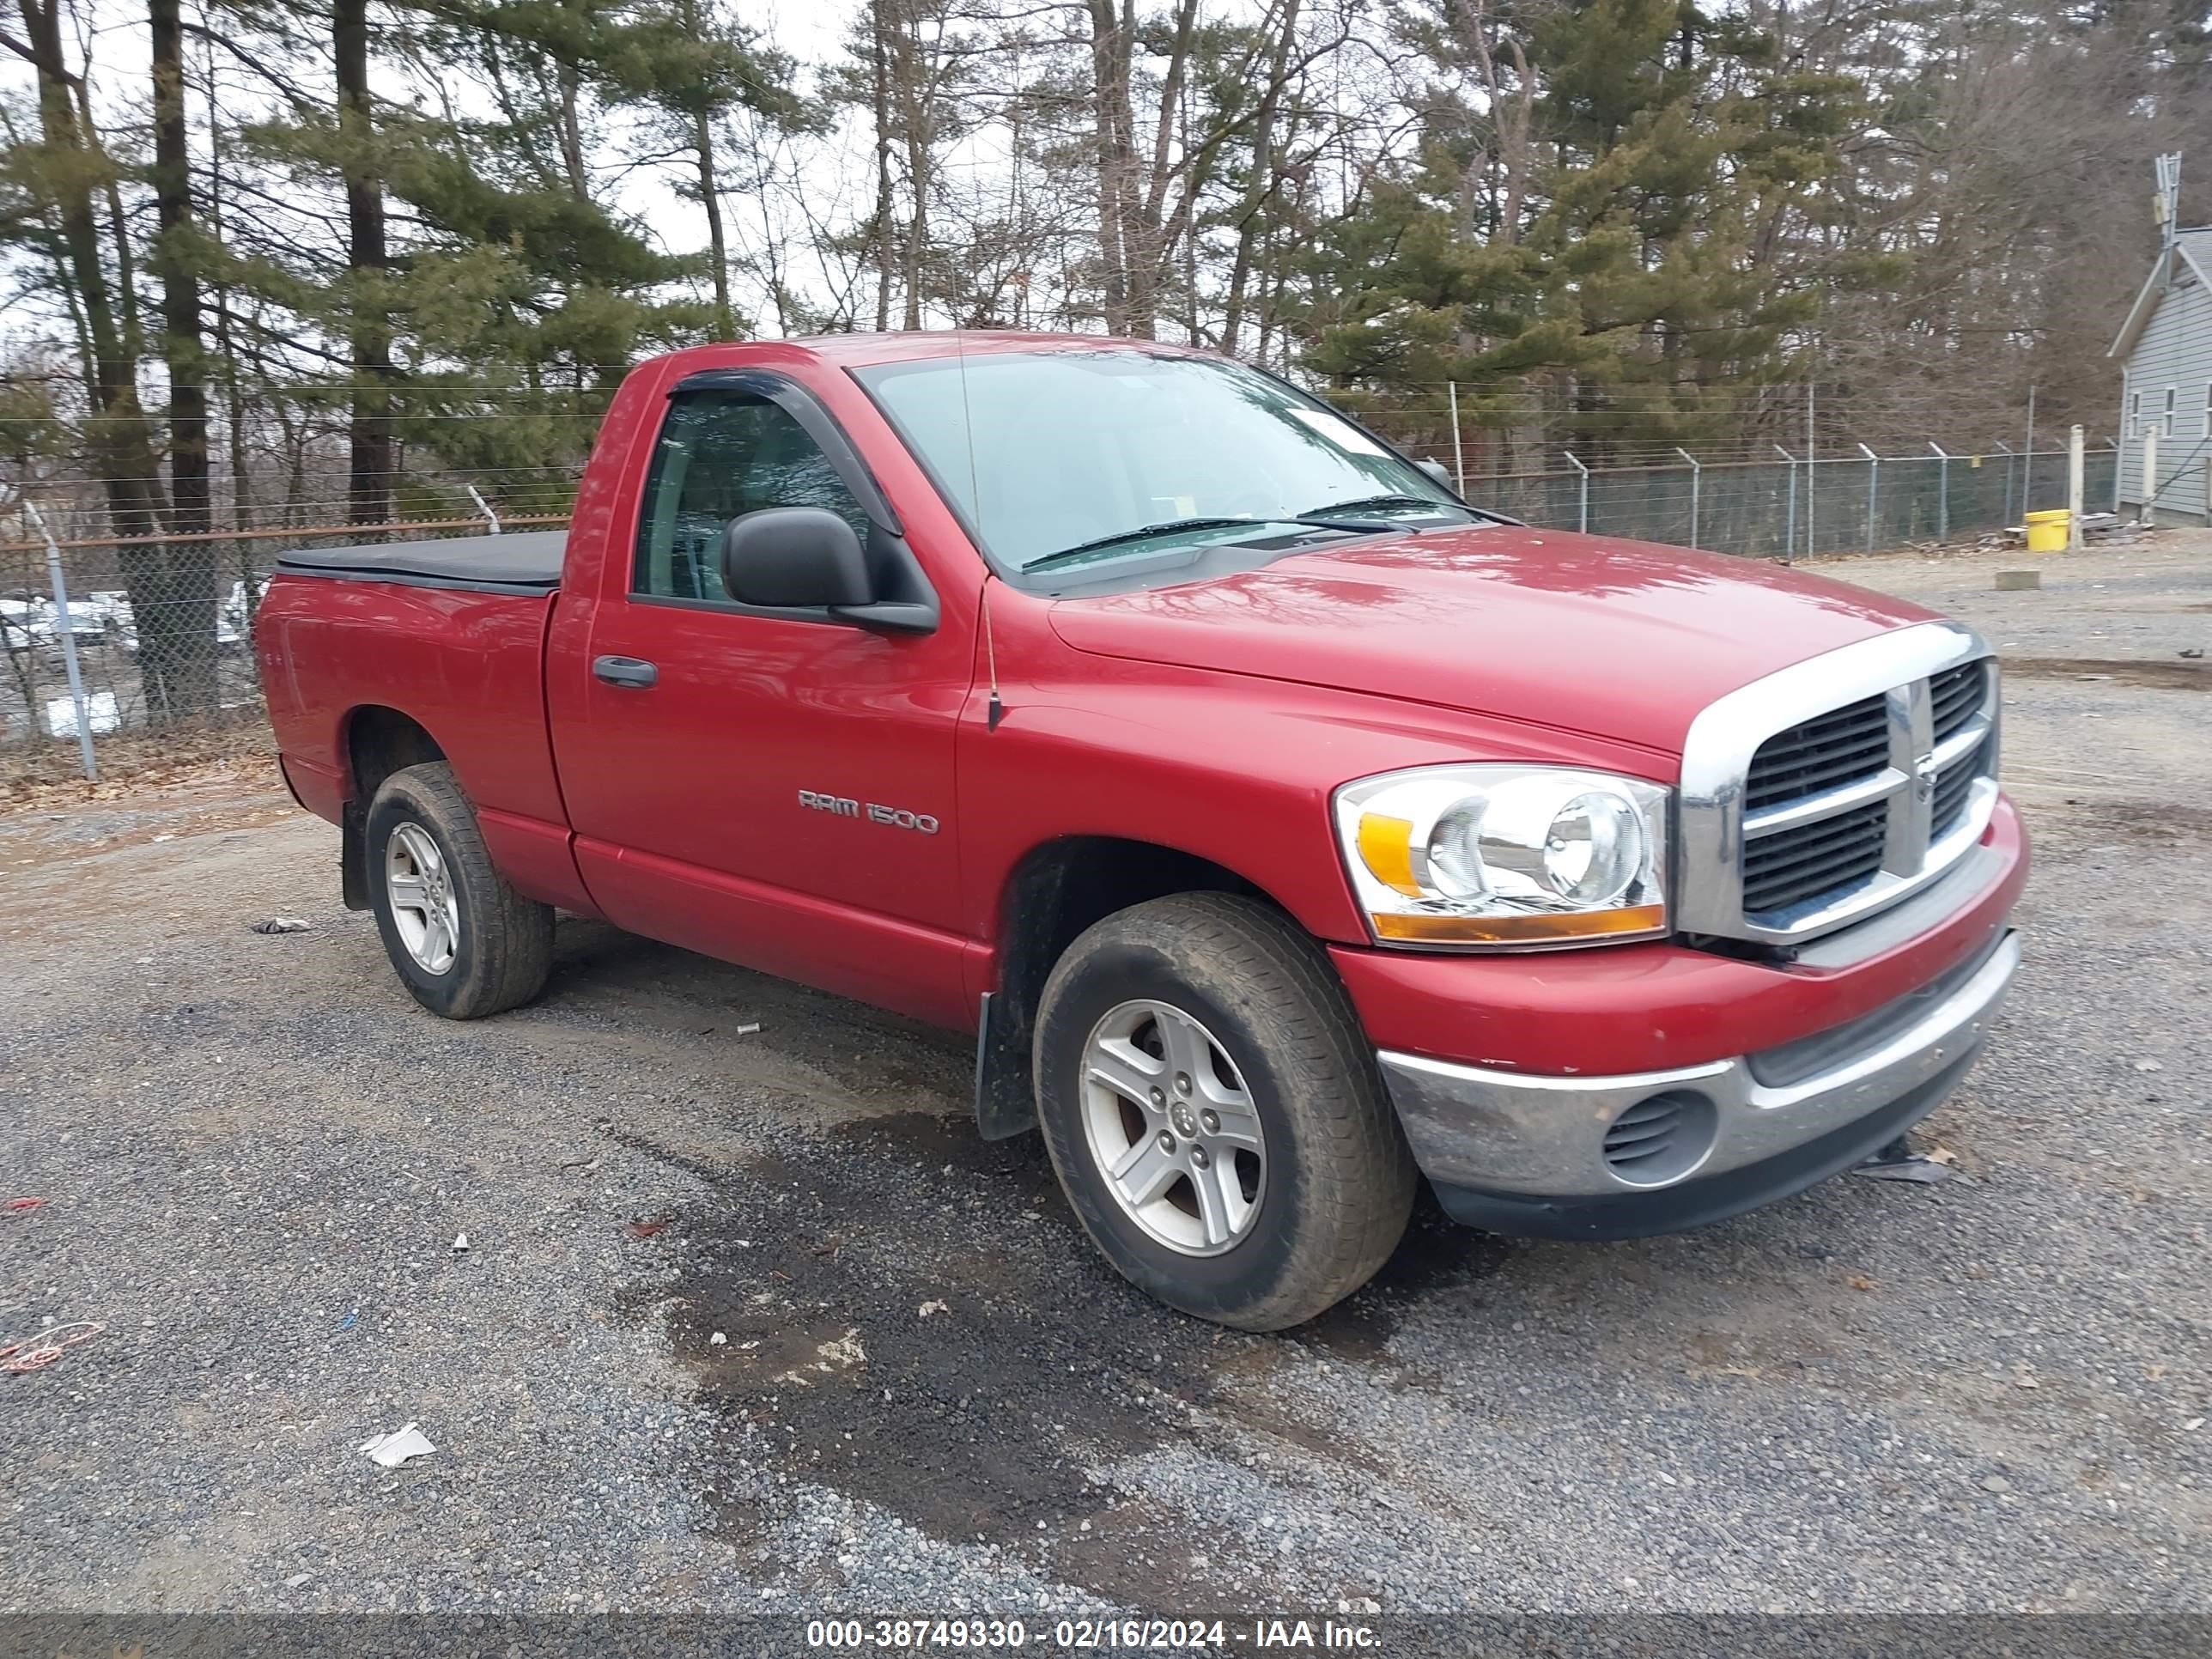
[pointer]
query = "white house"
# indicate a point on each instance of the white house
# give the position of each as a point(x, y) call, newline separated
point(2166, 386)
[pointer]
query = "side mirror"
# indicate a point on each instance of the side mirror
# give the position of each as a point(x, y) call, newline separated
point(1440, 472)
point(794, 558)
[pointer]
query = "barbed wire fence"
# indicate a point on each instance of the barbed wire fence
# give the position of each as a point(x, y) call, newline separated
point(135, 648)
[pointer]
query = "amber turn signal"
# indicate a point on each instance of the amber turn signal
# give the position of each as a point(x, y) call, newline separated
point(1386, 846)
point(1539, 929)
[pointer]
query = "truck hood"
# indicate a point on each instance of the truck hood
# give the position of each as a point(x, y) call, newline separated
point(1617, 639)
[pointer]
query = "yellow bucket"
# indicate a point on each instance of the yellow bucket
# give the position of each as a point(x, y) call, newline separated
point(2046, 530)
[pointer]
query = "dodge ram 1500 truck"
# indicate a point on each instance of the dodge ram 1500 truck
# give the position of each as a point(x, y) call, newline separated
point(1285, 829)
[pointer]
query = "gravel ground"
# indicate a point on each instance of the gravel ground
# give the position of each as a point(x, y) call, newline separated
point(256, 1154)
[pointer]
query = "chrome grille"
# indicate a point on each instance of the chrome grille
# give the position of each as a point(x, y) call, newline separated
point(1955, 785)
point(1781, 872)
point(1954, 697)
point(1837, 786)
point(1819, 754)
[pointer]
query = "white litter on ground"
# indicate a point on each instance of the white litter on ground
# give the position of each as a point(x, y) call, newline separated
point(390, 1450)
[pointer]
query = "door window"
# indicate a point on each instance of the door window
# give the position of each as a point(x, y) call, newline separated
point(721, 453)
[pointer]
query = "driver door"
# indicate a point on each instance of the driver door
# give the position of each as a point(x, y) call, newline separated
point(713, 732)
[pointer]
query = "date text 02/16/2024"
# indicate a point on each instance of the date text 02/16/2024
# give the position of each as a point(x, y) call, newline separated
point(1136, 1635)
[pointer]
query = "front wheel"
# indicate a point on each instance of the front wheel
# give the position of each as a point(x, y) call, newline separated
point(1213, 1112)
point(464, 942)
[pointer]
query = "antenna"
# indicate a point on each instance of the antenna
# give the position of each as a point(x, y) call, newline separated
point(998, 709)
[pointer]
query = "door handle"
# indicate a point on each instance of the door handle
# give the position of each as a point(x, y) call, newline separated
point(625, 670)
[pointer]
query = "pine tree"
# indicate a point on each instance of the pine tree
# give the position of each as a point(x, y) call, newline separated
point(1648, 274)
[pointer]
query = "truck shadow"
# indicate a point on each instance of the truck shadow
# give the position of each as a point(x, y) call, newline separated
point(876, 1307)
point(908, 1316)
point(844, 1056)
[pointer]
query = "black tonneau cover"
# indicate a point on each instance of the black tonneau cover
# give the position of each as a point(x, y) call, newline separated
point(526, 564)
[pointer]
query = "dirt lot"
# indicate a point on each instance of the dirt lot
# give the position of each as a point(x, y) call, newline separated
point(256, 1155)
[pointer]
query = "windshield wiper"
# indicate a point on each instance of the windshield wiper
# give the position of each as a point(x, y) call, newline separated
point(1142, 532)
point(1328, 512)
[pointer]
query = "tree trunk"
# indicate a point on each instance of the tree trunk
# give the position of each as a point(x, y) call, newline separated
point(882, 112)
point(192, 580)
point(121, 442)
point(234, 395)
point(1109, 73)
point(371, 450)
point(1149, 246)
point(572, 134)
point(913, 94)
point(1262, 182)
point(718, 244)
point(917, 230)
point(117, 433)
point(118, 226)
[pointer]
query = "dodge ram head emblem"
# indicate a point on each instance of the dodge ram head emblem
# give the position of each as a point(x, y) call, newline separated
point(1924, 777)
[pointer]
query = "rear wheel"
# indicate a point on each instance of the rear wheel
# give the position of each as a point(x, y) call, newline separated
point(1213, 1112)
point(464, 942)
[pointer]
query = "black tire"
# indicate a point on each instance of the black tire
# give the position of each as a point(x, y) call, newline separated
point(1339, 1179)
point(505, 947)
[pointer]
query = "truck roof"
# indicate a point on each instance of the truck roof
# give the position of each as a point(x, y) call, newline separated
point(860, 350)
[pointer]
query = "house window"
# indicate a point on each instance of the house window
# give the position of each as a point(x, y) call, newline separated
point(2134, 414)
point(2166, 426)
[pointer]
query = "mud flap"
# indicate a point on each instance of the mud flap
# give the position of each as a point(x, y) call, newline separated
point(353, 858)
point(1006, 1096)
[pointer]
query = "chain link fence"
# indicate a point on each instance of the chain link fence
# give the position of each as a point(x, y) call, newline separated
point(141, 648)
point(1788, 508)
point(158, 633)
point(156, 662)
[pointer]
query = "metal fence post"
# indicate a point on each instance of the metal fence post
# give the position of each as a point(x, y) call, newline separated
point(1790, 517)
point(1873, 490)
point(484, 507)
point(2150, 476)
point(2006, 449)
point(1697, 474)
point(1583, 517)
point(1942, 492)
point(68, 641)
point(1812, 477)
point(2118, 459)
point(1459, 454)
point(2077, 470)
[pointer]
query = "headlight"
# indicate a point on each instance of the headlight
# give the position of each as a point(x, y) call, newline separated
point(1491, 856)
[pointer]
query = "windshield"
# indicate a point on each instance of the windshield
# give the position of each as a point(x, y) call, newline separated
point(1084, 454)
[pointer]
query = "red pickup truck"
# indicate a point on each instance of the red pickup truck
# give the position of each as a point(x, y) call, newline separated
point(1284, 827)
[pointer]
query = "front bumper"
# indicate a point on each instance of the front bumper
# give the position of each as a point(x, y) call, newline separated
point(1626, 1156)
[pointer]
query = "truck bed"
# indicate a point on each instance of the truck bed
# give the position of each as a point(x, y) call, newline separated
point(526, 564)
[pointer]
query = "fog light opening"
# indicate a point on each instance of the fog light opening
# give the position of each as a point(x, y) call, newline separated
point(1662, 1139)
